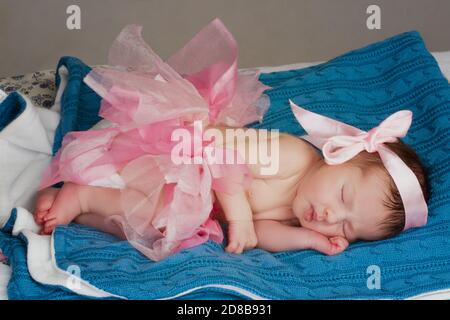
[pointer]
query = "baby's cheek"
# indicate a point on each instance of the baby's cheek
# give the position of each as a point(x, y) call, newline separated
point(314, 195)
point(330, 188)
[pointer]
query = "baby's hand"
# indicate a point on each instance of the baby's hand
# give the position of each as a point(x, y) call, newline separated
point(241, 236)
point(332, 246)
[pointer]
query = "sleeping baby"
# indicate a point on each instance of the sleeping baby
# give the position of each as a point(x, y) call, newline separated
point(123, 178)
point(366, 186)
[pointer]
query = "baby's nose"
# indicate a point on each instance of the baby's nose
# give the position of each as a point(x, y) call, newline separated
point(331, 217)
point(322, 215)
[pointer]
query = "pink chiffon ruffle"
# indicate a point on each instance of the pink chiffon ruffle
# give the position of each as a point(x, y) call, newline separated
point(167, 206)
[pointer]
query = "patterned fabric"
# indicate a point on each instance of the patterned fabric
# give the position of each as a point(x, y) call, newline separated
point(361, 88)
point(39, 86)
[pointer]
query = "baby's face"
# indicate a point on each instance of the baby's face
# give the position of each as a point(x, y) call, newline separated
point(341, 200)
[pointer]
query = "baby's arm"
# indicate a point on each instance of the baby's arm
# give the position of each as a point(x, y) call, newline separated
point(292, 155)
point(237, 211)
point(275, 236)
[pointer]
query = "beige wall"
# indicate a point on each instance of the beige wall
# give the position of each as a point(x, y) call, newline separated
point(33, 33)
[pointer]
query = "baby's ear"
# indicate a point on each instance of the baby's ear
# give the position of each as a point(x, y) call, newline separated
point(337, 245)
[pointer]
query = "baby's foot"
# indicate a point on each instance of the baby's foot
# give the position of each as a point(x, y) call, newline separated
point(57, 206)
point(44, 201)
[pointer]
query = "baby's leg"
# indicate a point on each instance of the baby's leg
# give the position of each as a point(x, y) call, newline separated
point(72, 200)
point(101, 223)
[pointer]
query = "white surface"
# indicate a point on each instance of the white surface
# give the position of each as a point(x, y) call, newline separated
point(25, 151)
point(2, 95)
point(5, 275)
point(443, 59)
point(40, 248)
point(433, 295)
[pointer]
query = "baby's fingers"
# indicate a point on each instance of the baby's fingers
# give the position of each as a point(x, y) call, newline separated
point(240, 246)
point(321, 243)
point(232, 247)
point(337, 245)
point(236, 246)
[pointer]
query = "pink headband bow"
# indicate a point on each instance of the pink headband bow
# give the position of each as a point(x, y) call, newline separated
point(340, 142)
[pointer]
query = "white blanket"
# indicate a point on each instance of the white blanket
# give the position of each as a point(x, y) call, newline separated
point(25, 151)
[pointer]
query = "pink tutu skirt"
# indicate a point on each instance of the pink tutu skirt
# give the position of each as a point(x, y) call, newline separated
point(143, 101)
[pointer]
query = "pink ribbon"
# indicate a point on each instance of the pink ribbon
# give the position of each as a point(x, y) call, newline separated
point(213, 70)
point(340, 142)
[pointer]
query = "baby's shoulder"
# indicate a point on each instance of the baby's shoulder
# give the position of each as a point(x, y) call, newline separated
point(296, 155)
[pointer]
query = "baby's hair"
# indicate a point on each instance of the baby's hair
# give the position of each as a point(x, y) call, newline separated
point(395, 223)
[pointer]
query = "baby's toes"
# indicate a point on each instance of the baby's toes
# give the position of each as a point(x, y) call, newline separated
point(44, 202)
point(51, 215)
point(49, 226)
point(39, 216)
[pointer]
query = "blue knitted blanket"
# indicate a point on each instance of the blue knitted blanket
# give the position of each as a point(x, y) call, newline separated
point(361, 87)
